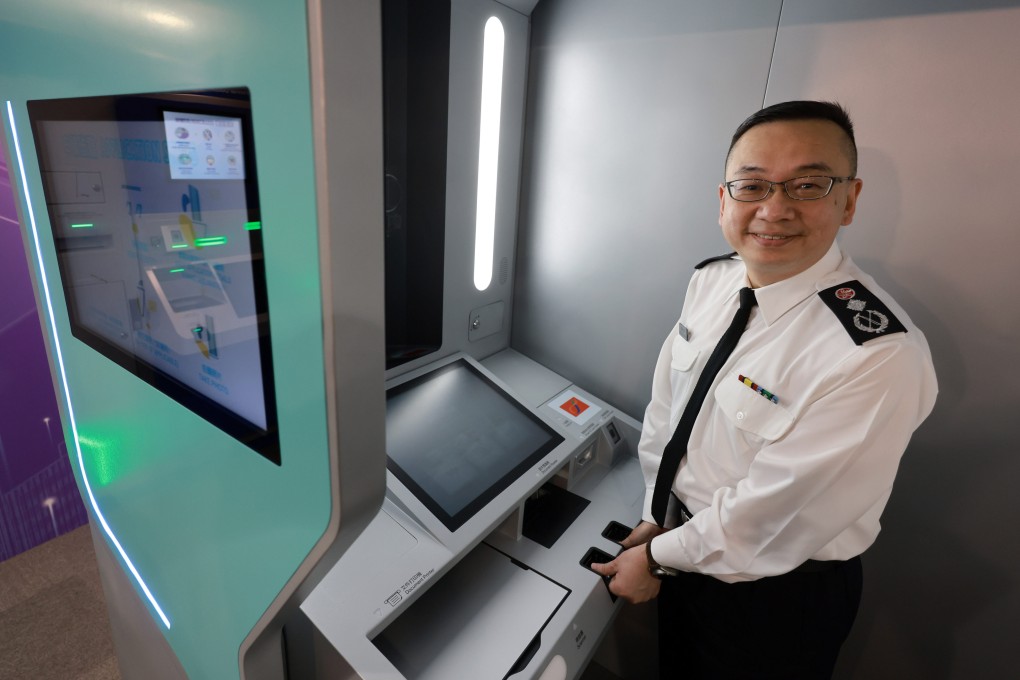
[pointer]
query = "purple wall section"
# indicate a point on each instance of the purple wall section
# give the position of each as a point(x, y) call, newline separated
point(38, 497)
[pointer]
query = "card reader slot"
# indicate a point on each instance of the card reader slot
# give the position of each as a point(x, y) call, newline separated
point(596, 556)
point(616, 532)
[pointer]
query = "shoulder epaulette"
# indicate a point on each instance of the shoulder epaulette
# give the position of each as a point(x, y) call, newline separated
point(714, 259)
point(863, 315)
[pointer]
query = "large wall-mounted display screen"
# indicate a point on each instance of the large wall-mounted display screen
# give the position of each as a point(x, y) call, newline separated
point(456, 440)
point(154, 205)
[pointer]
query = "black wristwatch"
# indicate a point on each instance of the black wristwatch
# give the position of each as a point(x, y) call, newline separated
point(656, 569)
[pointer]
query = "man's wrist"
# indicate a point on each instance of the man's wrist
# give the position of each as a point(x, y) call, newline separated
point(656, 569)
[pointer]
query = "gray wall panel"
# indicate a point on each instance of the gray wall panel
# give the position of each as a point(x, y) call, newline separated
point(630, 110)
point(935, 98)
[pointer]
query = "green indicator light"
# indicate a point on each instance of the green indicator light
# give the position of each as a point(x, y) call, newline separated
point(252, 226)
point(177, 271)
point(180, 245)
point(84, 225)
point(211, 241)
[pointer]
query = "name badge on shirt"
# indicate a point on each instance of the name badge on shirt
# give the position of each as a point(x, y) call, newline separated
point(684, 333)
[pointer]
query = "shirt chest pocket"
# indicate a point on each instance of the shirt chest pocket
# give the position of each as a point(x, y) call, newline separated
point(684, 356)
point(681, 376)
point(751, 412)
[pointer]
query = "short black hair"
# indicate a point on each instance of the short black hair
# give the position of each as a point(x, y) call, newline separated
point(802, 110)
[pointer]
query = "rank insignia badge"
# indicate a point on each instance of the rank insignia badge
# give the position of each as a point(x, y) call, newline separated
point(863, 315)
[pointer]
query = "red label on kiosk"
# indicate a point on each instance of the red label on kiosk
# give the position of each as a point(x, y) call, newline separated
point(574, 406)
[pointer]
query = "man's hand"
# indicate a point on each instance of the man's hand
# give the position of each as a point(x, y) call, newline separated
point(641, 534)
point(629, 576)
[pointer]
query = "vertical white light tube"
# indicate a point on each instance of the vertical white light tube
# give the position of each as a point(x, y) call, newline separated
point(488, 151)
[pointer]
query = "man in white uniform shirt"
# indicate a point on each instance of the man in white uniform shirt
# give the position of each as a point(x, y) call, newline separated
point(789, 460)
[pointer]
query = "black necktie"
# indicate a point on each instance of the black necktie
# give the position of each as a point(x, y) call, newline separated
point(677, 446)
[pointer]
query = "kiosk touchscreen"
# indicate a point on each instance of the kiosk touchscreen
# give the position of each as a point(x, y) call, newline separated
point(456, 440)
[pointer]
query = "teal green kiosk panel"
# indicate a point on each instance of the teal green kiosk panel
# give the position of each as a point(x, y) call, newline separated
point(201, 191)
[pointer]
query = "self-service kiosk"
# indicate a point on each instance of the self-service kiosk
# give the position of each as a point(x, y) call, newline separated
point(500, 493)
point(201, 201)
point(210, 195)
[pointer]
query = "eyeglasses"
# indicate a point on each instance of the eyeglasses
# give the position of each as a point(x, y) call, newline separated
point(799, 188)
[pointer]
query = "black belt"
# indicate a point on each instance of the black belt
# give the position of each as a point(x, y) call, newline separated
point(817, 565)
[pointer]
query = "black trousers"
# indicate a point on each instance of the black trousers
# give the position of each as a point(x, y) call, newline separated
point(789, 626)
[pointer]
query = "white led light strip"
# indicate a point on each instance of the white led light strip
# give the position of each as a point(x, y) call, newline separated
point(63, 375)
point(488, 151)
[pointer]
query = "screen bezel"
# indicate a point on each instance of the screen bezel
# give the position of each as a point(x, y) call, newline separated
point(234, 103)
point(484, 497)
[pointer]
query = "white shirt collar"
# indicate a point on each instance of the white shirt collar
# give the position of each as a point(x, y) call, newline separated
point(778, 298)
